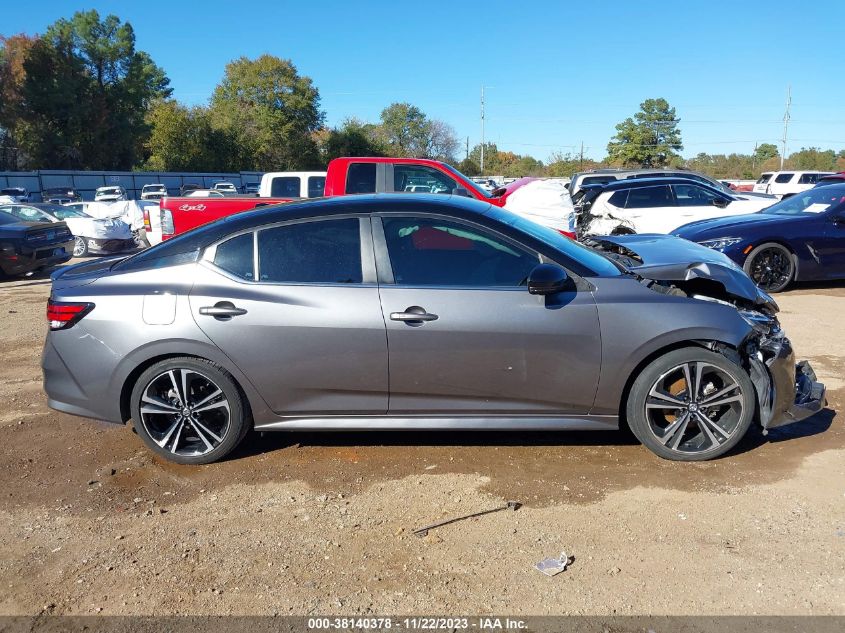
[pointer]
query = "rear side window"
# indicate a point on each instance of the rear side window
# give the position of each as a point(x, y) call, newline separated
point(285, 187)
point(808, 179)
point(316, 186)
point(361, 178)
point(781, 178)
point(325, 251)
point(235, 256)
point(647, 197)
point(618, 199)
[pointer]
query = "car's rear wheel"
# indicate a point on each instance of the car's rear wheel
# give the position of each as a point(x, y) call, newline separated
point(771, 266)
point(80, 247)
point(189, 410)
point(691, 404)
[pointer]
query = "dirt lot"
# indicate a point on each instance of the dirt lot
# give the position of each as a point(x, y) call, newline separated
point(320, 524)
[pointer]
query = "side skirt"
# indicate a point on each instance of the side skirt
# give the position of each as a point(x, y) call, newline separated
point(417, 423)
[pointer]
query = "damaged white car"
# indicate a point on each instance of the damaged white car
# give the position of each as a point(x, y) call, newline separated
point(91, 235)
point(654, 205)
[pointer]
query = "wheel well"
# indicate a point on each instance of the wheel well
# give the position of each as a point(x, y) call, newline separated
point(779, 243)
point(129, 383)
point(623, 402)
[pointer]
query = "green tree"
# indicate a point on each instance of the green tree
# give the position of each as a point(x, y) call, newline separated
point(650, 139)
point(765, 151)
point(85, 94)
point(13, 52)
point(183, 139)
point(813, 158)
point(468, 167)
point(271, 111)
point(407, 131)
point(352, 138)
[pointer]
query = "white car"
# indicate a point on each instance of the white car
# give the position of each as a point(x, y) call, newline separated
point(225, 187)
point(544, 201)
point(91, 235)
point(153, 192)
point(783, 184)
point(654, 205)
point(110, 194)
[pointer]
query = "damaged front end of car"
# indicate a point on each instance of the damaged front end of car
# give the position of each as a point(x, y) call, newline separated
point(786, 391)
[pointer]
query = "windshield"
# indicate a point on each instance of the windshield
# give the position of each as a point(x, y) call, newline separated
point(816, 200)
point(108, 191)
point(154, 188)
point(482, 193)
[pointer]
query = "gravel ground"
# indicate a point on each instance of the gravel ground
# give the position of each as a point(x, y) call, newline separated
point(91, 522)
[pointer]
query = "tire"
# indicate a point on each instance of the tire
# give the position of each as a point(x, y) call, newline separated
point(669, 423)
point(771, 266)
point(80, 247)
point(205, 430)
point(141, 239)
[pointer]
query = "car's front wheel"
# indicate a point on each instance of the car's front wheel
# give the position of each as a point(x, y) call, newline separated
point(691, 404)
point(771, 266)
point(80, 247)
point(189, 410)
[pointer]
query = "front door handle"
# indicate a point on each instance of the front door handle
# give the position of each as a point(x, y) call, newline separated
point(414, 315)
point(222, 310)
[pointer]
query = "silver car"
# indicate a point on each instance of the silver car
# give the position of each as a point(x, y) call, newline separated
point(418, 312)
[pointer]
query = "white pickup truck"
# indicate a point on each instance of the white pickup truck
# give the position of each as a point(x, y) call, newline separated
point(292, 184)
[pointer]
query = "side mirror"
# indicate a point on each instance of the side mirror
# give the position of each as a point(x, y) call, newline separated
point(547, 279)
point(721, 203)
point(460, 191)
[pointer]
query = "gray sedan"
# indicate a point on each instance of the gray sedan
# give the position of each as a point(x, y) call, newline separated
point(418, 312)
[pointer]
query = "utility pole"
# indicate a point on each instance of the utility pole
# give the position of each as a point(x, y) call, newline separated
point(482, 131)
point(581, 160)
point(467, 148)
point(786, 124)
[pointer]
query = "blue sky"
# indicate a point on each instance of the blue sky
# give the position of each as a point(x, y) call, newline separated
point(557, 73)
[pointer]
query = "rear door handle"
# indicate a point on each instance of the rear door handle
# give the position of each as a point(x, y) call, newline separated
point(414, 315)
point(222, 310)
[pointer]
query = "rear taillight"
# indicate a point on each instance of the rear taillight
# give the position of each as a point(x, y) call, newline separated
point(167, 229)
point(62, 315)
point(147, 226)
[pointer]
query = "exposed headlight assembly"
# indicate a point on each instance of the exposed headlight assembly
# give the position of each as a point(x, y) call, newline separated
point(721, 243)
point(760, 322)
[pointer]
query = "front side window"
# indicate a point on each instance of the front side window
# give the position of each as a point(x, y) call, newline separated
point(648, 197)
point(693, 196)
point(361, 178)
point(235, 256)
point(764, 179)
point(324, 251)
point(808, 179)
point(782, 178)
point(316, 186)
point(421, 179)
point(285, 187)
point(434, 252)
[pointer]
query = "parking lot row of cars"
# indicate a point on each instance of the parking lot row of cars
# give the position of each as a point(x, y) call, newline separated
point(116, 193)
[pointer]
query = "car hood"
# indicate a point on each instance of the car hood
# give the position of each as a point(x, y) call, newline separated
point(672, 259)
point(720, 225)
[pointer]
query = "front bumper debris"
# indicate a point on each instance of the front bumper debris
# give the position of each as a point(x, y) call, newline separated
point(809, 394)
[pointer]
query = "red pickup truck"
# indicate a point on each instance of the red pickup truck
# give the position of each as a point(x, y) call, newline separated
point(344, 176)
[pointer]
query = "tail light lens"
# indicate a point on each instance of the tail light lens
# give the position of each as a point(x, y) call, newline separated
point(167, 229)
point(62, 315)
point(147, 226)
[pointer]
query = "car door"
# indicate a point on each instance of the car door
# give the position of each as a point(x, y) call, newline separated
point(296, 307)
point(651, 209)
point(695, 202)
point(464, 335)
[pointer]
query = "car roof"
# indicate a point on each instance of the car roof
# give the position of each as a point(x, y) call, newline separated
point(639, 183)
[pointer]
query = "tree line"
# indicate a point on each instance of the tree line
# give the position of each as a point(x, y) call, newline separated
point(81, 96)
